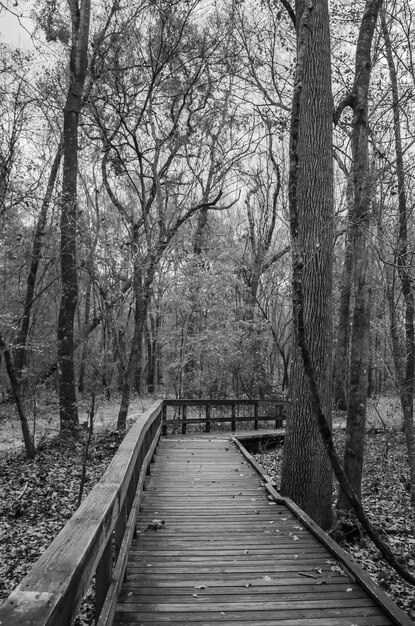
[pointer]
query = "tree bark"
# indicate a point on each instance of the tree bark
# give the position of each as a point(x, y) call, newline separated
point(142, 297)
point(262, 217)
point(80, 16)
point(306, 472)
point(84, 356)
point(359, 349)
point(341, 363)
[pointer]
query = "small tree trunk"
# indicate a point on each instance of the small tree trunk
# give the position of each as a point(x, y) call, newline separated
point(82, 366)
point(142, 300)
point(406, 374)
point(151, 332)
point(14, 383)
point(20, 354)
point(341, 391)
point(69, 296)
point(359, 351)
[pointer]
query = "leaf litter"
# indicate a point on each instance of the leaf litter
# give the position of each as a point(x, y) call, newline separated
point(38, 496)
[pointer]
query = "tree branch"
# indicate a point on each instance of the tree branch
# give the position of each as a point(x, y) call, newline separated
point(276, 257)
point(290, 11)
point(347, 100)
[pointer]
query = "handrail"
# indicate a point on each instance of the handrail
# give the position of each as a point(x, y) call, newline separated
point(94, 538)
point(275, 411)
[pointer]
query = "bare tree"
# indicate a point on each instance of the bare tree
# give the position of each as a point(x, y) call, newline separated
point(159, 138)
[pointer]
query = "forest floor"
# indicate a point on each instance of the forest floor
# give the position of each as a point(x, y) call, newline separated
point(38, 496)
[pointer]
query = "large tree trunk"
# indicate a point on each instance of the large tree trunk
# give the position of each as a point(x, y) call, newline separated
point(359, 350)
point(306, 472)
point(80, 16)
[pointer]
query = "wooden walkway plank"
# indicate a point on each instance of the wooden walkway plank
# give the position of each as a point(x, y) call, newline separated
point(214, 547)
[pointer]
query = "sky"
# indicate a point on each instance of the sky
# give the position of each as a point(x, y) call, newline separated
point(12, 30)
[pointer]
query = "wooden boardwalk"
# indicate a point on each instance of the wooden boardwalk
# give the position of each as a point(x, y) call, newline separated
point(227, 553)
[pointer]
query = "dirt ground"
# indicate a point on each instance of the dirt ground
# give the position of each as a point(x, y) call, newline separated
point(46, 423)
point(382, 412)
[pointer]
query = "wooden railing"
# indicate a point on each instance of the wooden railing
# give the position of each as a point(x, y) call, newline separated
point(259, 411)
point(95, 540)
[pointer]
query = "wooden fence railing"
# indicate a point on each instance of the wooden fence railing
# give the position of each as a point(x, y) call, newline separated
point(95, 540)
point(258, 411)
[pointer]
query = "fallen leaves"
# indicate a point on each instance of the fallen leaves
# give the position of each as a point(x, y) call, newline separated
point(38, 496)
point(156, 524)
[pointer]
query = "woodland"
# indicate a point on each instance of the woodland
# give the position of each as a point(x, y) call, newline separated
point(214, 199)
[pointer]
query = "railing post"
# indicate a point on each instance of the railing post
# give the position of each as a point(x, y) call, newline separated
point(207, 427)
point(233, 421)
point(119, 529)
point(164, 418)
point(103, 577)
point(184, 418)
point(256, 415)
point(278, 413)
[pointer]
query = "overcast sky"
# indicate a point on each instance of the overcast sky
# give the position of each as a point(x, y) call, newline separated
point(13, 30)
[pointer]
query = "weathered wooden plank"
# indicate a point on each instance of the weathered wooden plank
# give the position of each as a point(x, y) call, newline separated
point(245, 543)
point(250, 557)
point(103, 577)
point(274, 584)
point(244, 582)
point(248, 616)
point(160, 551)
point(308, 621)
point(349, 607)
point(148, 596)
point(236, 569)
